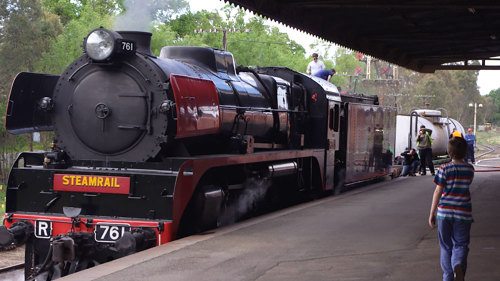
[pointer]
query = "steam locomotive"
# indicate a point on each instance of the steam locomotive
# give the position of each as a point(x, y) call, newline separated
point(149, 149)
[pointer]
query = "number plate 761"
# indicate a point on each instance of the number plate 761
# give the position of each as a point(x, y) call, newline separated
point(107, 232)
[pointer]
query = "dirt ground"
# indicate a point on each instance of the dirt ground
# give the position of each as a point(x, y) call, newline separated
point(12, 257)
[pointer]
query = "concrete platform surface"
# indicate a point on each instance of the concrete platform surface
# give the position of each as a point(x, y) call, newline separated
point(377, 232)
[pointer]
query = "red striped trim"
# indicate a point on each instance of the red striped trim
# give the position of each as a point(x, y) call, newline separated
point(468, 210)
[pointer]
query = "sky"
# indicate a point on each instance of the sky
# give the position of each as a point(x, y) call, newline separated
point(488, 79)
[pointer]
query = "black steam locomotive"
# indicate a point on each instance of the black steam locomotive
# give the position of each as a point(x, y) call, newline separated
point(148, 149)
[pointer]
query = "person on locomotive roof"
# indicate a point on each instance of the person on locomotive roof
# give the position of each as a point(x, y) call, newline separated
point(452, 201)
point(325, 74)
point(315, 65)
point(424, 145)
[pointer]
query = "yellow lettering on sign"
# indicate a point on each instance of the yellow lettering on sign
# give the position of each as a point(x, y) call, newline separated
point(65, 180)
point(90, 181)
point(72, 180)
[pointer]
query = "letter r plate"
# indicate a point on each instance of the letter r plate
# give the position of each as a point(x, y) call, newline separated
point(43, 229)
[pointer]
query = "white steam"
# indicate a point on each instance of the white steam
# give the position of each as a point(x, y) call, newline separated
point(140, 14)
point(255, 191)
point(137, 17)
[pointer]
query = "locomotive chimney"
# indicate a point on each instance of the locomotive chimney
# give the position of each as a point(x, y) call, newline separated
point(142, 40)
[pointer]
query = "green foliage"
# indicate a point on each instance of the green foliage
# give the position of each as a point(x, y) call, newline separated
point(163, 36)
point(66, 10)
point(494, 99)
point(26, 32)
point(452, 90)
point(345, 65)
point(260, 46)
point(491, 137)
point(72, 10)
point(67, 46)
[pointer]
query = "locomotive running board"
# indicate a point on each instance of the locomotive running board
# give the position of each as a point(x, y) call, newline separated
point(24, 113)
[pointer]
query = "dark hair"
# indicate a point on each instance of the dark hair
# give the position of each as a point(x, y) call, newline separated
point(457, 148)
point(315, 55)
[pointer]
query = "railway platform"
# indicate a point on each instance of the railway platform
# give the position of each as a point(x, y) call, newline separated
point(377, 232)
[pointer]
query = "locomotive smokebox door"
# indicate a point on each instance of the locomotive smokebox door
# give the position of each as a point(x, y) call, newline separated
point(107, 101)
point(119, 108)
point(30, 103)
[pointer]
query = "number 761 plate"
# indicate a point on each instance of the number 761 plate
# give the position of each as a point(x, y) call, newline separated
point(109, 232)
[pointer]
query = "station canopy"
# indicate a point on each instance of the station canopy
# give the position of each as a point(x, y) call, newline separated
point(421, 35)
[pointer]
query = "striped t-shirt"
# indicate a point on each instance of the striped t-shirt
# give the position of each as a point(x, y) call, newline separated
point(455, 203)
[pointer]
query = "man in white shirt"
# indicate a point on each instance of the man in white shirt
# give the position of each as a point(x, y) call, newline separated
point(315, 66)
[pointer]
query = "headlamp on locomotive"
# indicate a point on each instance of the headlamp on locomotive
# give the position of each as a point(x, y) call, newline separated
point(102, 45)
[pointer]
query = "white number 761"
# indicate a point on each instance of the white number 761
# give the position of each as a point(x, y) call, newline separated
point(127, 46)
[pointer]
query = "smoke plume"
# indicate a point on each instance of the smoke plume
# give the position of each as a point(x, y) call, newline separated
point(254, 192)
point(140, 14)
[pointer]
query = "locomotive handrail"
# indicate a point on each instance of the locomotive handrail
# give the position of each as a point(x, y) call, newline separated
point(261, 109)
point(410, 136)
point(77, 70)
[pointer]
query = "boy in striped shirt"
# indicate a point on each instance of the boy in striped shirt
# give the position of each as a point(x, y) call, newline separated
point(454, 210)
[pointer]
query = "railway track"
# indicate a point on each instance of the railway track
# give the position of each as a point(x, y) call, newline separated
point(13, 272)
point(490, 157)
point(487, 150)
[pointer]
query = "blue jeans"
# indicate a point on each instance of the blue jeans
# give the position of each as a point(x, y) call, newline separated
point(454, 238)
point(470, 153)
point(412, 168)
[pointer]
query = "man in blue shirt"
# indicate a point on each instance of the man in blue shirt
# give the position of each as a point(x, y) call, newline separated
point(471, 139)
point(325, 74)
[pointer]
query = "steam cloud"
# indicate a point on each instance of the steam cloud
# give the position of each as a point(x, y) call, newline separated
point(140, 14)
point(255, 191)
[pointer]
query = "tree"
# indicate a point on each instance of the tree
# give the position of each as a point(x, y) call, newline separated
point(262, 46)
point(494, 97)
point(67, 46)
point(71, 10)
point(26, 31)
point(345, 65)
